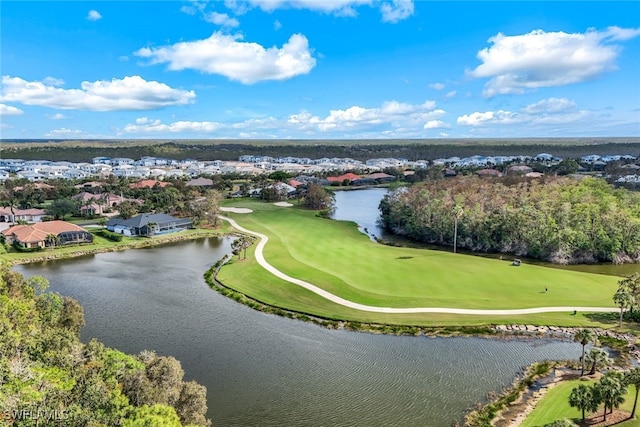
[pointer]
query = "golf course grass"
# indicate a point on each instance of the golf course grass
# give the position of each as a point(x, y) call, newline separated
point(554, 405)
point(336, 257)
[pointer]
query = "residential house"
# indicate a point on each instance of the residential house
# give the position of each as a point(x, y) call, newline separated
point(340, 179)
point(200, 182)
point(14, 215)
point(40, 234)
point(380, 177)
point(148, 183)
point(148, 225)
point(489, 173)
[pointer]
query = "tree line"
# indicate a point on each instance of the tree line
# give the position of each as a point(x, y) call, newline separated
point(49, 377)
point(358, 150)
point(558, 219)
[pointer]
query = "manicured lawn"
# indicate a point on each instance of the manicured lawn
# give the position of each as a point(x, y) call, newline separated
point(554, 406)
point(335, 256)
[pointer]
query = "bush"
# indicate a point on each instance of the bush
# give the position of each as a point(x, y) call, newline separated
point(114, 237)
point(19, 248)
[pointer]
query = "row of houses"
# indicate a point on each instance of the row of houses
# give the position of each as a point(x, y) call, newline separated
point(161, 168)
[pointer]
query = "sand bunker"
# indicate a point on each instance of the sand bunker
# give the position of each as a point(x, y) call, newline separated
point(236, 210)
point(283, 204)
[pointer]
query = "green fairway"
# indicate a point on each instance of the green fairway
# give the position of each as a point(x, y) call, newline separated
point(335, 256)
point(555, 406)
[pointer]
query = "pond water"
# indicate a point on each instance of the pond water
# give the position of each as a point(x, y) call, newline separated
point(264, 370)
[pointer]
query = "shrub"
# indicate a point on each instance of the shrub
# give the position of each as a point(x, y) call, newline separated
point(19, 248)
point(114, 237)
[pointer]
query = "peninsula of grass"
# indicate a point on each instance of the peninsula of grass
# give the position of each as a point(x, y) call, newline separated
point(335, 256)
point(554, 405)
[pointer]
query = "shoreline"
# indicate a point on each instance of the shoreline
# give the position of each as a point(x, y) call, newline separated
point(43, 256)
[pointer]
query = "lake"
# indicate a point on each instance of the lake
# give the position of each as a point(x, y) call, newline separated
point(265, 370)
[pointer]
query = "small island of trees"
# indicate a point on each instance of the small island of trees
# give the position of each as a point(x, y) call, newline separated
point(559, 219)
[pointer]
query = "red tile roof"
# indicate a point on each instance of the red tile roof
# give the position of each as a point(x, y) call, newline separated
point(148, 183)
point(350, 176)
point(39, 231)
point(33, 211)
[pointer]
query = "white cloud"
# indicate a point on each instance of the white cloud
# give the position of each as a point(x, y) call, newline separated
point(519, 63)
point(221, 19)
point(56, 116)
point(396, 11)
point(8, 110)
point(53, 81)
point(189, 10)
point(488, 117)
point(551, 111)
point(450, 94)
point(436, 86)
point(129, 93)
point(237, 60)
point(338, 7)
point(550, 105)
point(392, 118)
point(145, 125)
point(65, 133)
point(277, 25)
point(622, 34)
point(392, 11)
point(94, 15)
point(435, 124)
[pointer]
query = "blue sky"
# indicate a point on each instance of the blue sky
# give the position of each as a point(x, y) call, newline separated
point(319, 69)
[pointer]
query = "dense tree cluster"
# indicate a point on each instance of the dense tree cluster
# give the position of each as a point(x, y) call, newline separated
point(317, 197)
point(49, 377)
point(559, 219)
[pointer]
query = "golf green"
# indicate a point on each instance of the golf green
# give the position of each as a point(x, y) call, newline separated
point(336, 257)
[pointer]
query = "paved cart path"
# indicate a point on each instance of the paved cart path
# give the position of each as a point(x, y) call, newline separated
point(394, 310)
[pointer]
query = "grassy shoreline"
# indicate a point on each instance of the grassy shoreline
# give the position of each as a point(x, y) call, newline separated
point(102, 245)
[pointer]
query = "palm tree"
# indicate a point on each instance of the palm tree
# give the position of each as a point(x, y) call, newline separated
point(598, 358)
point(52, 240)
point(151, 228)
point(611, 390)
point(584, 337)
point(632, 285)
point(457, 214)
point(633, 377)
point(624, 299)
point(584, 398)
point(241, 244)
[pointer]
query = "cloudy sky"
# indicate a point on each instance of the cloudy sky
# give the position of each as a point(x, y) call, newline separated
point(327, 69)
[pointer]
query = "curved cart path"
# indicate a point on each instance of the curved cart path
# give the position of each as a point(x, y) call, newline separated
point(336, 299)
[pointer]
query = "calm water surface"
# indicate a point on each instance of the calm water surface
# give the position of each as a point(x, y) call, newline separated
point(264, 370)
